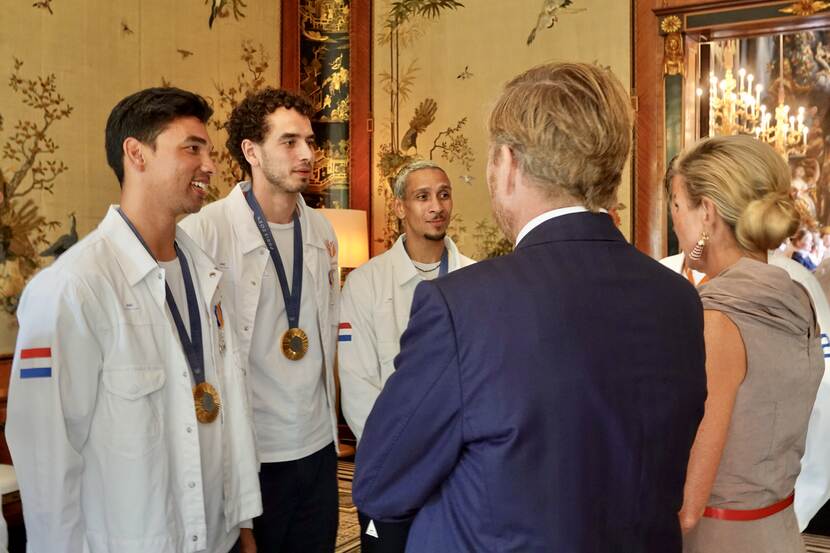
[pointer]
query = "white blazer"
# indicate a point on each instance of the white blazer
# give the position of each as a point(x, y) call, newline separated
point(227, 232)
point(101, 422)
point(377, 299)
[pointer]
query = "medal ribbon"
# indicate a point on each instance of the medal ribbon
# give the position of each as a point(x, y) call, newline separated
point(290, 297)
point(445, 264)
point(191, 343)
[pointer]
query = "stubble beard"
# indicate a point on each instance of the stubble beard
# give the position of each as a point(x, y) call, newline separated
point(282, 183)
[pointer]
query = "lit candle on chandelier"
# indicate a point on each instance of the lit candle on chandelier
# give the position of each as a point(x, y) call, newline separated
point(758, 89)
point(806, 130)
point(742, 74)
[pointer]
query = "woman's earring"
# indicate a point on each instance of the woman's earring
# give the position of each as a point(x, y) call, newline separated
point(697, 251)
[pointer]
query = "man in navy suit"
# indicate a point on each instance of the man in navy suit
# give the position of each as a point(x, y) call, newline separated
point(544, 401)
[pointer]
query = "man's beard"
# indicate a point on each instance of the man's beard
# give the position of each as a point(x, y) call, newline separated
point(281, 183)
point(436, 237)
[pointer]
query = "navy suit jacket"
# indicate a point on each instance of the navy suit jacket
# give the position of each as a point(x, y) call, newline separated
point(544, 401)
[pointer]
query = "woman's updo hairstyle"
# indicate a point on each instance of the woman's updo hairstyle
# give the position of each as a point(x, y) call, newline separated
point(748, 183)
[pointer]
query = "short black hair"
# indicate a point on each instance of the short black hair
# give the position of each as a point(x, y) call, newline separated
point(248, 119)
point(144, 115)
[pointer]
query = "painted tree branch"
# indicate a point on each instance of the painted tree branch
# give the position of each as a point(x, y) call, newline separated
point(30, 140)
point(30, 151)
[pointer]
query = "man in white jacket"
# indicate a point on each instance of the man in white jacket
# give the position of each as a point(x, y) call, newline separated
point(377, 296)
point(128, 418)
point(282, 259)
point(377, 299)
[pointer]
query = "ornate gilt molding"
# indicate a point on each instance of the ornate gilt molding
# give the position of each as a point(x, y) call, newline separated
point(805, 7)
point(674, 56)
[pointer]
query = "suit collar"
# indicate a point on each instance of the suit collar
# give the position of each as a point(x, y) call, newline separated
point(572, 227)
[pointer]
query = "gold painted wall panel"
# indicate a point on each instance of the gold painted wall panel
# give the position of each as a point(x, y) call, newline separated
point(100, 51)
point(462, 58)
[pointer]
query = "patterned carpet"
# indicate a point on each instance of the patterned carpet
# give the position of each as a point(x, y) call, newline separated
point(816, 544)
point(348, 535)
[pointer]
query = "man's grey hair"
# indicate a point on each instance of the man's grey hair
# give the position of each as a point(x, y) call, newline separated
point(399, 186)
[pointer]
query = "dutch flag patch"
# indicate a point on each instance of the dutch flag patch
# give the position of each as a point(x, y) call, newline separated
point(36, 363)
point(344, 332)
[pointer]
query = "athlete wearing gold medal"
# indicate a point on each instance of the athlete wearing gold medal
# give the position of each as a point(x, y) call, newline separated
point(294, 341)
point(205, 396)
point(281, 256)
point(124, 438)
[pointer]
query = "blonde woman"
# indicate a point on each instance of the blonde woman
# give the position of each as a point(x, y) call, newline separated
point(730, 204)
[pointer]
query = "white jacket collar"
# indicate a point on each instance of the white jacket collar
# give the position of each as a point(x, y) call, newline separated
point(404, 269)
point(136, 262)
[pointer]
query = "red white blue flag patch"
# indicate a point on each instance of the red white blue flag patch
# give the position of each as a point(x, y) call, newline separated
point(344, 332)
point(36, 363)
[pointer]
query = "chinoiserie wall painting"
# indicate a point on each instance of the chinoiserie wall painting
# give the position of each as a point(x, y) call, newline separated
point(438, 67)
point(64, 65)
point(324, 66)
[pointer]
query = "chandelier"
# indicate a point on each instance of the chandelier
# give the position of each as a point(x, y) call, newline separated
point(734, 109)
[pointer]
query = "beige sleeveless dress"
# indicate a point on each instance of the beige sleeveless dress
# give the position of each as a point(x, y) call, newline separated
point(762, 456)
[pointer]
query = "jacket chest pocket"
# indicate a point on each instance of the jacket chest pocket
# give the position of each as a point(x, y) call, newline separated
point(386, 355)
point(386, 325)
point(132, 409)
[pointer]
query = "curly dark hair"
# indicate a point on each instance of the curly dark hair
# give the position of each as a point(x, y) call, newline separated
point(144, 115)
point(248, 119)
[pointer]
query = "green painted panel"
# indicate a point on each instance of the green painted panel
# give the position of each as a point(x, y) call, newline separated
point(740, 15)
point(673, 94)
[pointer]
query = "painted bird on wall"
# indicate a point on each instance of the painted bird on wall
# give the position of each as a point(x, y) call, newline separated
point(424, 116)
point(549, 15)
point(64, 242)
point(218, 9)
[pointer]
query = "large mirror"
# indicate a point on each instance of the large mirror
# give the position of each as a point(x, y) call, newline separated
point(776, 88)
point(757, 68)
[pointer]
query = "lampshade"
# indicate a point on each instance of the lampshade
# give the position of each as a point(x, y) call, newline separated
point(352, 235)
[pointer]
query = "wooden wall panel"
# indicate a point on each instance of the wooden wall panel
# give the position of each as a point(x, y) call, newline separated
point(361, 115)
point(649, 221)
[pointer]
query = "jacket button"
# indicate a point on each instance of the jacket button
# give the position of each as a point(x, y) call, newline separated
point(253, 283)
point(191, 485)
point(159, 275)
point(195, 538)
point(189, 429)
point(246, 329)
point(212, 274)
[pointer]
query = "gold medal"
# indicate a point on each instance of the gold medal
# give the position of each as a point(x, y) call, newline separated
point(294, 343)
point(207, 402)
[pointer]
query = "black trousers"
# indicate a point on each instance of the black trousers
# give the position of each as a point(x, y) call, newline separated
point(390, 536)
point(299, 505)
